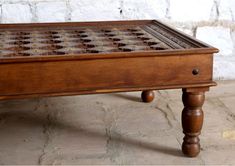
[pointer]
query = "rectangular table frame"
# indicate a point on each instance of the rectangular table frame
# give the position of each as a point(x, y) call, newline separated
point(188, 69)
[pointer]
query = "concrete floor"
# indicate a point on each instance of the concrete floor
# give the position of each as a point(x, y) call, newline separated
point(114, 129)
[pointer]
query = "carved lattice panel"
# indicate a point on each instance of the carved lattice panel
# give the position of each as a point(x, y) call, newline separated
point(77, 41)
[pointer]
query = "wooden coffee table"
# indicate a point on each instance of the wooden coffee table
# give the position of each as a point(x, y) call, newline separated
point(60, 59)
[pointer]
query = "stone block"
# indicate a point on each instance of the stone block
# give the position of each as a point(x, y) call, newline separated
point(82, 10)
point(16, 13)
point(51, 11)
point(219, 37)
point(227, 10)
point(143, 9)
point(193, 10)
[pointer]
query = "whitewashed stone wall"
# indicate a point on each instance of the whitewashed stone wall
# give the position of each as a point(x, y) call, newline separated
point(212, 21)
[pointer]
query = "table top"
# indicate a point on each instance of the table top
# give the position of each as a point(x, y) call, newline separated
point(94, 39)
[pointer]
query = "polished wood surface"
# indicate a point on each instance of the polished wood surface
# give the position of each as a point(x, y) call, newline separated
point(58, 59)
point(192, 119)
point(87, 75)
point(147, 96)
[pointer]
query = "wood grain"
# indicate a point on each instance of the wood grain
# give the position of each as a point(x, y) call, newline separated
point(77, 59)
point(68, 76)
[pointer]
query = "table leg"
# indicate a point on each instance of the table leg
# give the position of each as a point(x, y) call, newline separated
point(147, 96)
point(192, 120)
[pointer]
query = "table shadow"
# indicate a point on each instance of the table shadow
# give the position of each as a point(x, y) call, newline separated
point(34, 120)
point(127, 97)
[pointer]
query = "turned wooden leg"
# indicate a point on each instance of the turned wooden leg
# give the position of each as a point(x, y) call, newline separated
point(192, 120)
point(147, 96)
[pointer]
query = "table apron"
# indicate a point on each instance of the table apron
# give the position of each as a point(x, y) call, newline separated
point(91, 75)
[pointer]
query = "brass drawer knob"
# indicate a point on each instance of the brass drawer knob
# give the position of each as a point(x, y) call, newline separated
point(195, 71)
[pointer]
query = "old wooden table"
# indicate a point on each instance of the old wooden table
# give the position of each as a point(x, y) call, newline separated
point(58, 59)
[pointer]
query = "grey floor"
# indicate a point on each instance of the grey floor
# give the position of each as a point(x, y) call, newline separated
point(114, 129)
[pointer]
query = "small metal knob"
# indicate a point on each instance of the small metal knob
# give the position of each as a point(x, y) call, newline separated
point(195, 71)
